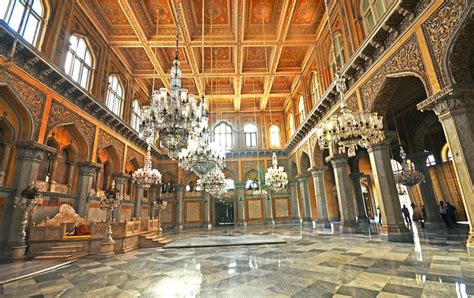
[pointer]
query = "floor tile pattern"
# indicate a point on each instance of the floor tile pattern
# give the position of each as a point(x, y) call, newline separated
point(313, 263)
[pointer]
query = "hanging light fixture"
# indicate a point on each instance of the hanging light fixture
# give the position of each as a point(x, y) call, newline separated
point(348, 129)
point(276, 177)
point(202, 156)
point(214, 183)
point(174, 117)
point(147, 176)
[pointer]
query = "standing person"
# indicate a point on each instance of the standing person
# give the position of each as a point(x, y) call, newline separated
point(406, 214)
point(451, 210)
point(379, 214)
point(444, 214)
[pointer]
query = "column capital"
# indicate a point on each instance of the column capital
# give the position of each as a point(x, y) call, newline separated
point(378, 147)
point(88, 167)
point(337, 160)
point(32, 149)
point(302, 178)
point(120, 176)
point(293, 183)
point(318, 171)
point(451, 99)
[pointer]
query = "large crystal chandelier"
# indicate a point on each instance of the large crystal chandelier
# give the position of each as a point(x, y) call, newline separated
point(175, 116)
point(276, 178)
point(147, 176)
point(214, 183)
point(408, 176)
point(348, 129)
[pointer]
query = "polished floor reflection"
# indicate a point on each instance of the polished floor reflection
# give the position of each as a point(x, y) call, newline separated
point(313, 263)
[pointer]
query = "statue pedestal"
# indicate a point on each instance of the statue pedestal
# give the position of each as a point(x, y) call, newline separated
point(106, 249)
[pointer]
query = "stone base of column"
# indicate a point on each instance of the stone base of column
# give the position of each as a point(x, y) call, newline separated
point(297, 221)
point(396, 234)
point(364, 226)
point(17, 253)
point(180, 227)
point(242, 224)
point(269, 222)
point(323, 224)
point(310, 222)
point(349, 227)
point(106, 250)
point(435, 226)
point(207, 225)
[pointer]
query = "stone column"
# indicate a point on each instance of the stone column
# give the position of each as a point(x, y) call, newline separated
point(29, 156)
point(137, 210)
point(433, 217)
point(304, 190)
point(344, 193)
point(268, 210)
point(361, 208)
point(7, 146)
point(120, 179)
point(393, 225)
point(180, 207)
point(318, 179)
point(294, 204)
point(85, 183)
point(153, 197)
point(240, 188)
point(454, 107)
point(52, 171)
point(206, 214)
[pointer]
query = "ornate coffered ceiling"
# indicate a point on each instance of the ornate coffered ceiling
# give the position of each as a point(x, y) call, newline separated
point(254, 50)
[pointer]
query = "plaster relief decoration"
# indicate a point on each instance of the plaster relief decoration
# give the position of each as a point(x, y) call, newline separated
point(32, 97)
point(439, 29)
point(133, 154)
point(60, 115)
point(106, 139)
point(407, 59)
point(352, 102)
point(66, 214)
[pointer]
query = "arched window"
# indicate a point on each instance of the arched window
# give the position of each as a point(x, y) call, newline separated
point(136, 115)
point(372, 12)
point(315, 87)
point(33, 24)
point(301, 111)
point(430, 160)
point(337, 58)
point(250, 133)
point(275, 136)
point(251, 184)
point(223, 135)
point(115, 95)
point(79, 62)
point(230, 183)
point(291, 120)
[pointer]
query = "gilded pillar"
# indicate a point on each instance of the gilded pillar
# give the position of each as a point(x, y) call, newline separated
point(240, 188)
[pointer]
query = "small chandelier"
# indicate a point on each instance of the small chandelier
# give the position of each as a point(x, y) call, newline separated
point(147, 176)
point(174, 117)
point(276, 178)
point(408, 176)
point(214, 183)
point(348, 129)
point(201, 156)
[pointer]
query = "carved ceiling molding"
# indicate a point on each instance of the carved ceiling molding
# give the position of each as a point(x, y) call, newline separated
point(60, 115)
point(405, 61)
point(441, 28)
point(32, 97)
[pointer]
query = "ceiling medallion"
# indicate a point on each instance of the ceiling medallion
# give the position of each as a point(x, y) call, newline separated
point(348, 129)
point(408, 176)
point(174, 117)
point(276, 178)
point(147, 176)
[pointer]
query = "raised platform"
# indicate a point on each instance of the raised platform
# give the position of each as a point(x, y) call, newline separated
point(227, 239)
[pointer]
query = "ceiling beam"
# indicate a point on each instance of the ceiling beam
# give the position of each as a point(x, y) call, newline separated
point(239, 17)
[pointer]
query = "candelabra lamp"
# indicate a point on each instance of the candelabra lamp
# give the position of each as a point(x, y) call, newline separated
point(28, 201)
point(408, 176)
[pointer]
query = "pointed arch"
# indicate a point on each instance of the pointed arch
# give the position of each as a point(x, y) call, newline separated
point(304, 163)
point(83, 150)
point(23, 116)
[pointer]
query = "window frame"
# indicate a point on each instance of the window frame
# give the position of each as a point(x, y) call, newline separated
point(251, 135)
point(69, 69)
point(113, 96)
point(337, 56)
point(373, 12)
point(291, 124)
point(223, 139)
point(301, 109)
point(136, 117)
point(275, 134)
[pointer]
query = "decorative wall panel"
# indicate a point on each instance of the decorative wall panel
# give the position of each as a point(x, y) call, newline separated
point(254, 209)
point(281, 208)
point(193, 212)
point(167, 214)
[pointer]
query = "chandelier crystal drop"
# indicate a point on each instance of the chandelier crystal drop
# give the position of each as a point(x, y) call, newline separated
point(174, 117)
point(348, 129)
point(408, 176)
point(276, 178)
point(214, 183)
point(147, 176)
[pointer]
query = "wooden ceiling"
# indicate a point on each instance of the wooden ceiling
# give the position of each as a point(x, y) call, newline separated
point(254, 50)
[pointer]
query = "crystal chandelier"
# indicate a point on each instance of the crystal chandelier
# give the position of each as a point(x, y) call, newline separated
point(214, 183)
point(147, 176)
point(174, 116)
point(408, 176)
point(276, 178)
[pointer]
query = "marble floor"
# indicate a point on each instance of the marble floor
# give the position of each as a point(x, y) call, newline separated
point(313, 263)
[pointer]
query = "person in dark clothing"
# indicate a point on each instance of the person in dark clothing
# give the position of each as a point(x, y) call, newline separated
point(406, 214)
point(444, 214)
point(451, 210)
